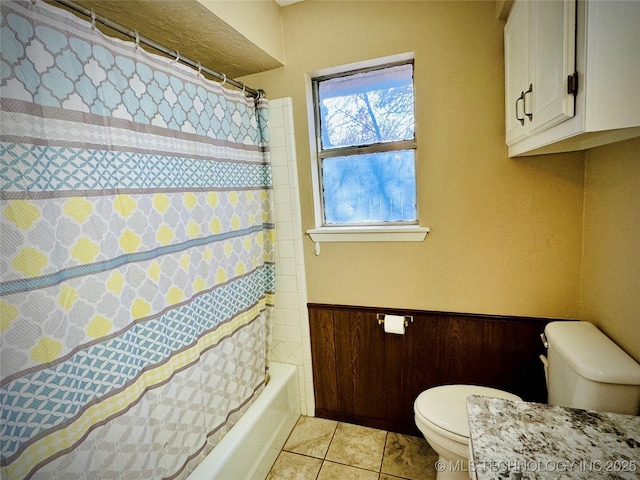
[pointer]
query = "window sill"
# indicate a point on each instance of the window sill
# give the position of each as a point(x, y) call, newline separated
point(368, 234)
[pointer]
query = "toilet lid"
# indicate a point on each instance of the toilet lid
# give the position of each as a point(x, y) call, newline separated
point(446, 405)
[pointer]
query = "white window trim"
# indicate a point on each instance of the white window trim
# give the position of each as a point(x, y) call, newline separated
point(397, 233)
point(378, 233)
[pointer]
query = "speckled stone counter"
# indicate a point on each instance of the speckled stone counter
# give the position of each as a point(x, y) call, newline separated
point(521, 440)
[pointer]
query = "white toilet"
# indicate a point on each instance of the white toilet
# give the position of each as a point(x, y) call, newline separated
point(585, 370)
point(441, 416)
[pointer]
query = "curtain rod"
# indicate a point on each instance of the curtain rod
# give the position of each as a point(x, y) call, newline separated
point(147, 41)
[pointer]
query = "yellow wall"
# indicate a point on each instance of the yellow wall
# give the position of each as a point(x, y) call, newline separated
point(505, 233)
point(611, 264)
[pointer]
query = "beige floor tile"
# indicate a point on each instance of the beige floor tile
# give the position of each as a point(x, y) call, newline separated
point(291, 466)
point(384, 476)
point(335, 471)
point(311, 436)
point(357, 446)
point(409, 457)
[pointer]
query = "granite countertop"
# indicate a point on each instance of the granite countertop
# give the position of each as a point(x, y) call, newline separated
point(522, 440)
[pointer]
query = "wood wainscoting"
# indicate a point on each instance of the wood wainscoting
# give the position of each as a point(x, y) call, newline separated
point(365, 376)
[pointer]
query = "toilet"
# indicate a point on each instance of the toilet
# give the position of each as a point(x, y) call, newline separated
point(585, 369)
point(441, 416)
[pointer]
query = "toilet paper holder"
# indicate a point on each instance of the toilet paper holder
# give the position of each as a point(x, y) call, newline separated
point(407, 319)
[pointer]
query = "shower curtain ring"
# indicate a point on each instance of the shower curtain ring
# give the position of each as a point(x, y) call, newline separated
point(93, 18)
point(244, 87)
point(224, 80)
point(137, 36)
point(199, 68)
point(177, 59)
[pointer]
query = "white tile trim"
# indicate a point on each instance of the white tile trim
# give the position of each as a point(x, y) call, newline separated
point(290, 338)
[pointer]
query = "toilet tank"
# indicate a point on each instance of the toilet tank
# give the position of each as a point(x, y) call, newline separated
point(587, 370)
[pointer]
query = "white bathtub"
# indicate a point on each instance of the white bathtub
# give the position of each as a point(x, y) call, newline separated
point(253, 444)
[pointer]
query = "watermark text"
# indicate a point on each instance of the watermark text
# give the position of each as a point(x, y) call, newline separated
point(524, 466)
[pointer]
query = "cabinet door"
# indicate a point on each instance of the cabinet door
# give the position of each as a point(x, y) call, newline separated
point(516, 56)
point(552, 61)
point(613, 65)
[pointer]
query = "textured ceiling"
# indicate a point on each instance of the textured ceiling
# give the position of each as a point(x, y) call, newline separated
point(191, 29)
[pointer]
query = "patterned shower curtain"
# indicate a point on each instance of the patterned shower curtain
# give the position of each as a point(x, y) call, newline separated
point(136, 266)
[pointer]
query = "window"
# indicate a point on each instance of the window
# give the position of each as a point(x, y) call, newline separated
point(364, 126)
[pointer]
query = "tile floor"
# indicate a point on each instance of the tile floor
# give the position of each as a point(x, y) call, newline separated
point(320, 449)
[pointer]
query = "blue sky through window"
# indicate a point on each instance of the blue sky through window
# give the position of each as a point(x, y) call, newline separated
point(371, 188)
point(367, 108)
point(363, 109)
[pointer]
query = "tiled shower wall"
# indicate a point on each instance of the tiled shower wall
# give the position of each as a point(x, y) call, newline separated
point(290, 341)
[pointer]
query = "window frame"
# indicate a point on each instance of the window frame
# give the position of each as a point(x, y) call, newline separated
point(379, 231)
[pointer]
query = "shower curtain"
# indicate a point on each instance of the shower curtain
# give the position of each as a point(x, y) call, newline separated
point(137, 246)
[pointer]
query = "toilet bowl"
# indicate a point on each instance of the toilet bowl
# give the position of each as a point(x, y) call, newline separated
point(441, 416)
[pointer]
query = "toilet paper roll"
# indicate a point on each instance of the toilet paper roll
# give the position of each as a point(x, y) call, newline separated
point(394, 324)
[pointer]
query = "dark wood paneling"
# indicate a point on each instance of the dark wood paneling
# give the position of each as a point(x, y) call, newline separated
point(424, 347)
point(500, 344)
point(367, 345)
point(345, 364)
point(324, 358)
point(528, 381)
point(393, 361)
point(462, 351)
point(364, 376)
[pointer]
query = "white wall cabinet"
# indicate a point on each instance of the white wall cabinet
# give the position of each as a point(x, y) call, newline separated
point(516, 57)
point(572, 75)
point(540, 55)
